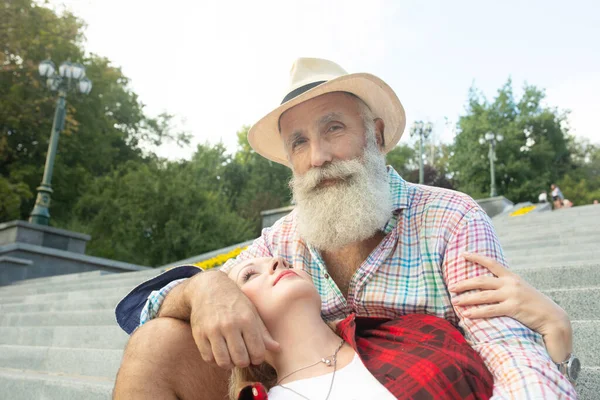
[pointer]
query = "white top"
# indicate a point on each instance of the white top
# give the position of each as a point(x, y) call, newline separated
point(354, 381)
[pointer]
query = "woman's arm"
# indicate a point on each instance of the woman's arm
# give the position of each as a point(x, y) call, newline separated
point(508, 294)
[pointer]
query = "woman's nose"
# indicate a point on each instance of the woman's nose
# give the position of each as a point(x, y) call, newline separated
point(278, 262)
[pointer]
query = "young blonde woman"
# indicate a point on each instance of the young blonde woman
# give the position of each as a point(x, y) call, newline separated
point(412, 356)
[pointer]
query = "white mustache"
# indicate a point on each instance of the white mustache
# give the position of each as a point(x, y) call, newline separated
point(340, 170)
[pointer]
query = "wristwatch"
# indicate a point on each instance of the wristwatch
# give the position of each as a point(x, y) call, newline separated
point(570, 367)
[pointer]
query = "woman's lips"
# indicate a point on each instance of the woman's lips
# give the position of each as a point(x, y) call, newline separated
point(283, 275)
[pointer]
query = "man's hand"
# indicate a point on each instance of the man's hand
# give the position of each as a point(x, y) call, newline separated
point(225, 324)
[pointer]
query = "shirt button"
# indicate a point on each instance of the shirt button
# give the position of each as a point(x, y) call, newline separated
point(326, 276)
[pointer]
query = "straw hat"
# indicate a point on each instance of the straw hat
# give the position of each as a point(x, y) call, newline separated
point(312, 77)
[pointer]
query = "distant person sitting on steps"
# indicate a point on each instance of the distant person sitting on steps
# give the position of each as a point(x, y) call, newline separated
point(557, 196)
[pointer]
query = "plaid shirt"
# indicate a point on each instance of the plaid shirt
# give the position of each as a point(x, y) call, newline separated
point(415, 356)
point(419, 356)
point(407, 273)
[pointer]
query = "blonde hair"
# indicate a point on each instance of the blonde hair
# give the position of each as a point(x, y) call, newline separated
point(242, 377)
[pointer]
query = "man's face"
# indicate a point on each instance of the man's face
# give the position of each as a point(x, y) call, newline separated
point(340, 183)
point(321, 130)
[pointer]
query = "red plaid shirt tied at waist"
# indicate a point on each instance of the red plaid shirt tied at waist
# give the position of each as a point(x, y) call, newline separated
point(414, 356)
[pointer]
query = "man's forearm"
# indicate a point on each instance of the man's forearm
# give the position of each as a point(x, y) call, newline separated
point(176, 304)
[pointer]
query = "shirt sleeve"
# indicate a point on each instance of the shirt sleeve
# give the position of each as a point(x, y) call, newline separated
point(129, 310)
point(143, 302)
point(156, 298)
point(514, 354)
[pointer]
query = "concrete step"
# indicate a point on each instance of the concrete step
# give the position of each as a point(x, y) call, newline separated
point(588, 383)
point(585, 342)
point(579, 303)
point(572, 256)
point(573, 212)
point(77, 295)
point(64, 287)
point(543, 230)
point(94, 304)
point(28, 385)
point(560, 277)
point(87, 362)
point(563, 244)
point(62, 278)
point(525, 237)
point(85, 277)
point(545, 223)
point(549, 265)
point(584, 252)
point(549, 217)
point(59, 318)
point(565, 220)
point(546, 219)
point(87, 336)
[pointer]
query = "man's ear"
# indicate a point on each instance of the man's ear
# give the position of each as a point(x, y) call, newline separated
point(379, 129)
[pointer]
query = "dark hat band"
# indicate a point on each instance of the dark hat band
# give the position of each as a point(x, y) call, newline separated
point(297, 92)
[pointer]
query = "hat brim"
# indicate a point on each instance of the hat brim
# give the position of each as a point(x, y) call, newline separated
point(265, 138)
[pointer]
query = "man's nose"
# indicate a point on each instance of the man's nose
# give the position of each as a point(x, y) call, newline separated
point(320, 153)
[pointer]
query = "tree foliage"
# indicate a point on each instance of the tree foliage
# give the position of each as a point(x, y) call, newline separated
point(158, 212)
point(405, 160)
point(102, 130)
point(254, 184)
point(581, 184)
point(534, 152)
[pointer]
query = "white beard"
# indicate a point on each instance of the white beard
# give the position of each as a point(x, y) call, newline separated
point(349, 211)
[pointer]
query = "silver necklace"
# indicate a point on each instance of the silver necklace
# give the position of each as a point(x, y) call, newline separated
point(330, 361)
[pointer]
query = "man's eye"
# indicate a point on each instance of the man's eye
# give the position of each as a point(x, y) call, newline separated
point(334, 128)
point(297, 143)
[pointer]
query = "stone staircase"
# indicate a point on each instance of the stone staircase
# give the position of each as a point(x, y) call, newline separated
point(52, 347)
point(558, 252)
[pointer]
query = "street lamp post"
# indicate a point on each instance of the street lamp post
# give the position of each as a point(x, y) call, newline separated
point(69, 77)
point(492, 139)
point(423, 130)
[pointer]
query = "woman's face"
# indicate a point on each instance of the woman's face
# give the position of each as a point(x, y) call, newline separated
point(272, 284)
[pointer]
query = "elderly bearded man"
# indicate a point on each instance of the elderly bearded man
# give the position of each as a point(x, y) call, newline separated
point(374, 244)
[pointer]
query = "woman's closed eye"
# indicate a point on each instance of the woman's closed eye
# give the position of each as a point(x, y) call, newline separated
point(248, 274)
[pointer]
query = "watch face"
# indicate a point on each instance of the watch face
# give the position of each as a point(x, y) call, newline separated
point(574, 368)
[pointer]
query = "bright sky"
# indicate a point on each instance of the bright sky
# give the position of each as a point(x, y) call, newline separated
point(218, 65)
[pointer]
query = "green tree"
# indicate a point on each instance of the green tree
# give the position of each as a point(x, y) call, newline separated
point(254, 184)
point(405, 160)
point(581, 184)
point(102, 130)
point(160, 211)
point(534, 153)
point(11, 197)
